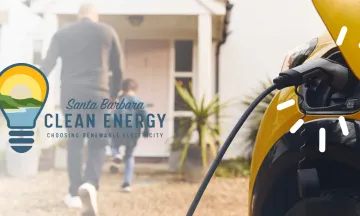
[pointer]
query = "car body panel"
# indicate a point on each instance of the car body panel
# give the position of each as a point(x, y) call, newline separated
point(337, 14)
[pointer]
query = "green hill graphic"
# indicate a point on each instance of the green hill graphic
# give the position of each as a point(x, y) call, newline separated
point(7, 102)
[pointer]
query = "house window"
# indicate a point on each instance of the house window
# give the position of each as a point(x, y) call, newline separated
point(183, 70)
point(183, 56)
point(180, 105)
point(37, 46)
point(183, 73)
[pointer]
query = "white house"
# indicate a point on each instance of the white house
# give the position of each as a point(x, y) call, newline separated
point(165, 41)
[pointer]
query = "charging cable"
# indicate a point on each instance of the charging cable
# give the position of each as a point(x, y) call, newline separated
point(319, 68)
point(226, 145)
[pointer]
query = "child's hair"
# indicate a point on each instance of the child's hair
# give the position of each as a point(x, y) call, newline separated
point(129, 85)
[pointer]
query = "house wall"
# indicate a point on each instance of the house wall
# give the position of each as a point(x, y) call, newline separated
point(16, 45)
point(18, 33)
point(262, 33)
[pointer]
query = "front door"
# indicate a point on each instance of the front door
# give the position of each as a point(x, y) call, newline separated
point(147, 62)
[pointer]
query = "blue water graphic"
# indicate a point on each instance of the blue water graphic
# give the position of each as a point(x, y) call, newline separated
point(23, 117)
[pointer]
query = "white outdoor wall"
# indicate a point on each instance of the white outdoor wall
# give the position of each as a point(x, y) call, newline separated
point(263, 32)
point(16, 40)
point(15, 46)
point(16, 43)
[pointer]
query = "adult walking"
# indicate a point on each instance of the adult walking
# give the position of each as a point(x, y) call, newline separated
point(88, 50)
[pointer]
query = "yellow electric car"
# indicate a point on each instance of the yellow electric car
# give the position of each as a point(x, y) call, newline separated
point(290, 174)
point(306, 160)
point(288, 167)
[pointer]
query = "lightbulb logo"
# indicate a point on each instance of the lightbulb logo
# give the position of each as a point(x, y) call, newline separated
point(23, 93)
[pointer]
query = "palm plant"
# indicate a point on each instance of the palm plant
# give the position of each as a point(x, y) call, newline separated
point(253, 123)
point(201, 122)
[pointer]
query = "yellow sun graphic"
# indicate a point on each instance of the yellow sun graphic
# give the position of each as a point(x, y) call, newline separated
point(16, 79)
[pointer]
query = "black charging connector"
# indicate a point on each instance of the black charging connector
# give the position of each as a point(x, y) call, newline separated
point(288, 78)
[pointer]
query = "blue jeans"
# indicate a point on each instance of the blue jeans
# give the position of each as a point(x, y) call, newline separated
point(129, 159)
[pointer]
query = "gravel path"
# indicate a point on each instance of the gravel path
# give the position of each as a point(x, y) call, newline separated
point(151, 196)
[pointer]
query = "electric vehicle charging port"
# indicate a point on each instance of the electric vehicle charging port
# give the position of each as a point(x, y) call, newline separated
point(322, 99)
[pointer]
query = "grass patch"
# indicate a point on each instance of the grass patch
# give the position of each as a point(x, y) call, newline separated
point(232, 168)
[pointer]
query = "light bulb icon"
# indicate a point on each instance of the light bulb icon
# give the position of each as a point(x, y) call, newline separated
point(23, 94)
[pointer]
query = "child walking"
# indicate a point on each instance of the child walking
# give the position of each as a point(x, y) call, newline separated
point(128, 137)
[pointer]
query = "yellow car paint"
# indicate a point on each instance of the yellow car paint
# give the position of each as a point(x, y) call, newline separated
point(339, 13)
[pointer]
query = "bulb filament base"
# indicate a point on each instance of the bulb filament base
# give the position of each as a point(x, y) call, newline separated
point(21, 141)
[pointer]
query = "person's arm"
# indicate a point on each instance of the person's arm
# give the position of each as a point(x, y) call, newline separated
point(52, 55)
point(116, 79)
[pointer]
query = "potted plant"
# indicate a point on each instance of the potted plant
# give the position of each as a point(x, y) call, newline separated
point(197, 156)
